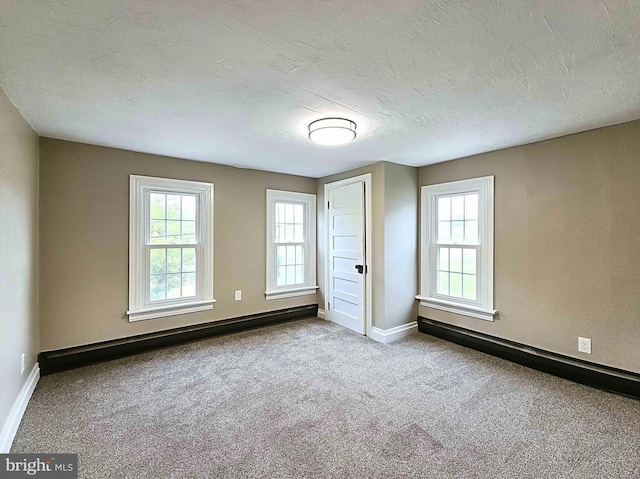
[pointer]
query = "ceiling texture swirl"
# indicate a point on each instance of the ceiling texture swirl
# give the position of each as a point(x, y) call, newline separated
point(238, 81)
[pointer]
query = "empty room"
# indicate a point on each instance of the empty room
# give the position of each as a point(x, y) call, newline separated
point(332, 239)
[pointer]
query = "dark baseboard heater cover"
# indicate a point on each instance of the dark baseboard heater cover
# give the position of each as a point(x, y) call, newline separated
point(583, 372)
point(70, 358)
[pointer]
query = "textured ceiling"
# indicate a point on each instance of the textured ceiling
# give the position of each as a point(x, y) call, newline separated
point(237, 81)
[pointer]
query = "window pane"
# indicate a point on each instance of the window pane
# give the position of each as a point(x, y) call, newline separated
point(443, 259)
point(281, 253)
point(443, 283)
point(189, 239)
point(189, 207)
point(469, 287)
point(469, 261)
point(457, 208)
point(188, 260)
point(298, 236)
point(280, 212)
point(288, 233)
point(174, 286)
point(157, 287)
point(158, 261)
point(471, 231)
point(444, 232)
point(299, 255)
point(300, 274)
point(189, 284)
point(444, 209)
point(288, 213)
point(471, 207)
point(281, 278)
point(457, 231)
point(188, 227)
point(173, 228)
point(291, 274)
point(157, 206)
point(456, 285)
point(456, 260)
point(173, 206)
point(174, 260)
point(291, 255)
point(157, 228)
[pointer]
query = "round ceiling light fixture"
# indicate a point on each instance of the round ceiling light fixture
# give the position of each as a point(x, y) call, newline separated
point(332, 131)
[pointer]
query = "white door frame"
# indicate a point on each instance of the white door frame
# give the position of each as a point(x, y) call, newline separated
point(366, 178)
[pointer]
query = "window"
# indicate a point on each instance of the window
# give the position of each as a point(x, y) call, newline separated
point(170, 247)
point(291, 244)
point(457, 247)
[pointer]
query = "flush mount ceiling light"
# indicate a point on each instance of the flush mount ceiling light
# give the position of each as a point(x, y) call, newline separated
point(332, 131)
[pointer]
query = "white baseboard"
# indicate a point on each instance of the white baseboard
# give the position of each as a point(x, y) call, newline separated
point(321, 314)
point(393, 334)
point(12, 422)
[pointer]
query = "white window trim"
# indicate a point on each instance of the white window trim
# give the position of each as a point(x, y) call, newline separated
point(140, 307)
point(272, 291)
point(483, 307)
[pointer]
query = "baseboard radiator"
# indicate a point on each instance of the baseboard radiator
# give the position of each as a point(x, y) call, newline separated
point(602, 377)
point(70, 358)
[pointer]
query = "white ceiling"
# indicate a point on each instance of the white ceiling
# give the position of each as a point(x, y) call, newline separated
point(237, 81)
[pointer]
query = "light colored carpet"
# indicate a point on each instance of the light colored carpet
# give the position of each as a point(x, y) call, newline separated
point(311, 399)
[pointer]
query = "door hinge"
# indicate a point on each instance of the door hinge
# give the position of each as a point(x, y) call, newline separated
point(328, 306)
point(327, 205)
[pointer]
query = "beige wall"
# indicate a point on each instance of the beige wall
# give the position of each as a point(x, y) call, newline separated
point(18, 252)
point(567, 243)
point(394, 197)
point(84, 240)
point(400, 244)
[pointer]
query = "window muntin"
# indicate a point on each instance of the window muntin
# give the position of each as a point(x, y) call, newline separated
point(457, 247)
point(290, 244)
point(456, 220)
point(171, 247)
point(173, 273)
point(172, 218)
point(456, 273)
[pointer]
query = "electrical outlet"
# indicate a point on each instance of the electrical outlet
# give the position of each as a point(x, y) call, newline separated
point(22, 363)
point(584, 345)
point(238, 295)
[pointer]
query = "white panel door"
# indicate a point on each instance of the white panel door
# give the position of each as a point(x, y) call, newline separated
point(346, 230)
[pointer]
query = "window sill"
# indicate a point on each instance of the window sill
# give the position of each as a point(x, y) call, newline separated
point(457, 308)
point(170, 310)
point(290, 293)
